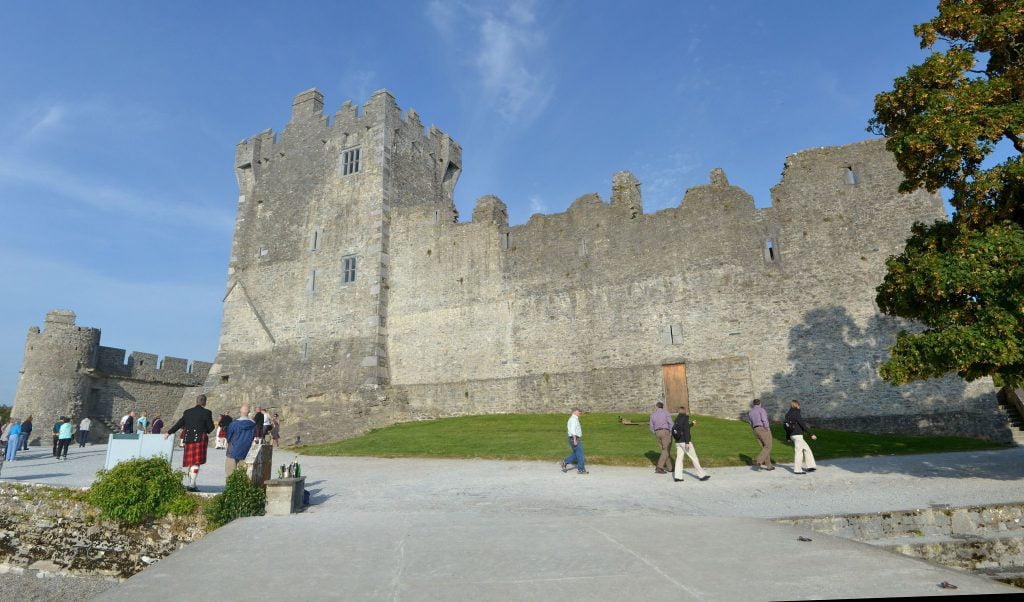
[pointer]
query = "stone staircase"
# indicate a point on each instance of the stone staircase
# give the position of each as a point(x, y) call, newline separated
point(1011, 403)
point(985, 540)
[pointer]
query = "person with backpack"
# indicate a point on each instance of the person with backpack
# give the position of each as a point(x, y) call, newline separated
point(681, 433)
point(796, 428)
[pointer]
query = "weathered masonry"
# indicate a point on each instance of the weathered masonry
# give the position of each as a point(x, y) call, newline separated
point(355, 298)
point(66, 372)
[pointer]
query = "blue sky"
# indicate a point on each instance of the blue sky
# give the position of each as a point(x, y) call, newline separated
point(119, 121)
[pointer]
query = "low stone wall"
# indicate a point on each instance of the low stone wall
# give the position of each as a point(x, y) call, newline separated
point(987, 540)
point(53, 530)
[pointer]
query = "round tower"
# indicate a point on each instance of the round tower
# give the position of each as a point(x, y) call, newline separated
point(54, 379)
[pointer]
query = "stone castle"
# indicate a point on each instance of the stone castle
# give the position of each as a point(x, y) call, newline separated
point(356, 299)
point(66, 372)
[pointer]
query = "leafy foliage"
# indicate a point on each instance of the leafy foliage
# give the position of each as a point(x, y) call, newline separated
point(239, 499)
point(138, 490)
point(944, 119)
point(5, 413)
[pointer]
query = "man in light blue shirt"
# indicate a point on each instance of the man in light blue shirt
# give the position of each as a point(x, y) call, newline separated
point(575, 432)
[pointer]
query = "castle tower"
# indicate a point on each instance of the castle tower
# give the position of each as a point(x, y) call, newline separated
point(305, 309)
point(55, 378)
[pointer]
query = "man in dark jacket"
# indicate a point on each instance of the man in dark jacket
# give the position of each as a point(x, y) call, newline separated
point(681, 433)
point(197, 422)
point(258, 421)
point(26, 432)
point(796, 428)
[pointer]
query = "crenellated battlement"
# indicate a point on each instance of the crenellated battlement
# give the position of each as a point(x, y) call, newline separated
point(382, 108)
point(149, 366)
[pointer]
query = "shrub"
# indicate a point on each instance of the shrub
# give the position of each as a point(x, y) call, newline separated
point(240, 499)
point(138, 490)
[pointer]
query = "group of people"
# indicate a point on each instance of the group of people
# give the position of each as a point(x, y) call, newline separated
point(239, 434)
point(130, 424)
point(666, 431)
point(264, 425)
point(14, 437)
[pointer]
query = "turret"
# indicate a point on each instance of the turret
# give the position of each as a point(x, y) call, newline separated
point(55, 377)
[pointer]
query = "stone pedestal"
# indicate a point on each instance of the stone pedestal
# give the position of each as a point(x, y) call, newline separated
point(284, 496)
point(260, 463)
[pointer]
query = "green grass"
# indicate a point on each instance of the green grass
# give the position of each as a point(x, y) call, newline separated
point(719, 442)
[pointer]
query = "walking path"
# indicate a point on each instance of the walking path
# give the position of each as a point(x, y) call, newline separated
point(414, 529)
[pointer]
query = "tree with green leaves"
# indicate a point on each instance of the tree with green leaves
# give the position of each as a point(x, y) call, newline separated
point(947, 120)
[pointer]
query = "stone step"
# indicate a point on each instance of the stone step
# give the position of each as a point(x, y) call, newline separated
point(925, 522)
point(996, 554)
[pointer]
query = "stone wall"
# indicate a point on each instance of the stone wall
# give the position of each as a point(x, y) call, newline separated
point(776, 303)
point(51, 529)
point(577, 308)
point(66, 372)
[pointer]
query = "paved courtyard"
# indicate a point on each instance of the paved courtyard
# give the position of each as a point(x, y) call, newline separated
point(409, 529)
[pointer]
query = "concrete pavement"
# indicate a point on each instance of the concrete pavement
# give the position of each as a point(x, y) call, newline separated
point(413, 529)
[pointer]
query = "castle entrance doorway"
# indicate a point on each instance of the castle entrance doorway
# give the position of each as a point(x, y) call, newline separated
point(677, 396)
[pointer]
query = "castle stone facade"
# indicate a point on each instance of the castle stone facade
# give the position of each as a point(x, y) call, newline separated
point(66, 372)
point(355, 298)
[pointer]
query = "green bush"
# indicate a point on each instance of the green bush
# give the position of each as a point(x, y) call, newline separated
point(138, 490)
point(240, 499)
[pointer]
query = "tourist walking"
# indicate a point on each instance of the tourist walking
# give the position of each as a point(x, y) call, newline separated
point(258, 419)
point(83, 431)
point(158, 425)
point(128, 423)
point(142, 424)
point(275, 431)
point(5, 434)
point(758, 419)
point(196, 423)
point(221, 441)
point(13, 439)
point(681, 433)
point(55, 431)
point(575, 432)
point(661, 426)
point(240, 435)
point(26, 432)
point(796, 428)
point(64, 438)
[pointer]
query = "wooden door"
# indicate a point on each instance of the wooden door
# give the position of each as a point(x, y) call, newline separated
point(677, 397)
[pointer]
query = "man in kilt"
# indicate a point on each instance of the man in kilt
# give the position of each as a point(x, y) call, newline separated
point(196, 424)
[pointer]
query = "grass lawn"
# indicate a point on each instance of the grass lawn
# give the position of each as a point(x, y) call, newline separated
point(719, 442)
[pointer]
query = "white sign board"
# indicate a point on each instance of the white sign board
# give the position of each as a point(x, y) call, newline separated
point(121, 447)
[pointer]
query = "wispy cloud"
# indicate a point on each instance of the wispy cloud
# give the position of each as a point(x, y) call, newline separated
point(665, 179)
point(49, 119)
point(358, 84)
point(442, 15)
point(509, 50)
point(108, 197)
point(537, 205)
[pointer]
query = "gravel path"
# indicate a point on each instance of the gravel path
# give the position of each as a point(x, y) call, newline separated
point(31, 587)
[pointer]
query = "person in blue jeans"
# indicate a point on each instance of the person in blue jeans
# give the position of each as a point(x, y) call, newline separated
point(13, 440)
point(575, 432)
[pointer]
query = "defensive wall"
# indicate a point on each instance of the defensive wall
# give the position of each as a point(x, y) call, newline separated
point(595, 306)
point(66, 372)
